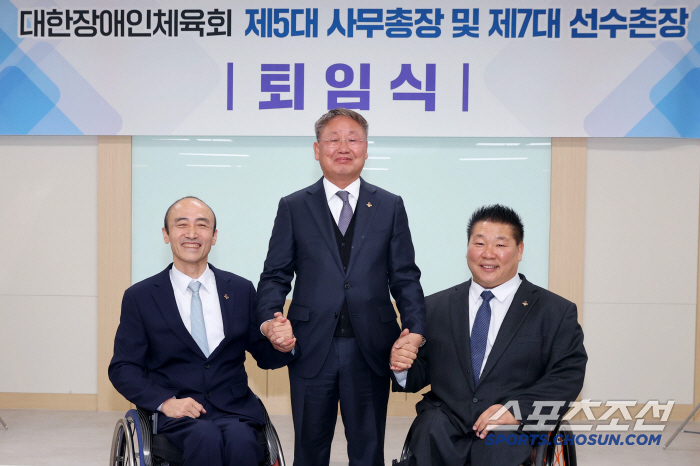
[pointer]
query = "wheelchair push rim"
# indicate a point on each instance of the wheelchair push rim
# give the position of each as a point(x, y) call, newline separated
point(122, 453)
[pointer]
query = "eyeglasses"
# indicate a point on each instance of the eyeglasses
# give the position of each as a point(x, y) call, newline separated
point(336, 142)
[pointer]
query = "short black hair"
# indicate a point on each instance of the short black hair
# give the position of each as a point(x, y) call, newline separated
point(497, 213)
point(167, 212)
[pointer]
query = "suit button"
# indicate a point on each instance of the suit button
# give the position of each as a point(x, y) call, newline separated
point(347, 286)
point(342, 244)
point(342, 330)
point(208, 395)
point(206, 366)
point(335, 314)
point(474, 400)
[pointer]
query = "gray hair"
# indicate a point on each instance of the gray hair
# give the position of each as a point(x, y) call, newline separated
point(323, 121)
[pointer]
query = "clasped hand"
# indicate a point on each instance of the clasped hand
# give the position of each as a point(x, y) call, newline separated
point(279, 332)
point(405, 350)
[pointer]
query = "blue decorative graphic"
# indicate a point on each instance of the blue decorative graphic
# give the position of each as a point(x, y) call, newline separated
point(681, 106)
point(41, 93)
point(6, 46)
point(676, 97)
point(22, 104)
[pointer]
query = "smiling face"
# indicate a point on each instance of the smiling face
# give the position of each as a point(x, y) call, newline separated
point(341, 162)
point(191, 235)
point(493, 254)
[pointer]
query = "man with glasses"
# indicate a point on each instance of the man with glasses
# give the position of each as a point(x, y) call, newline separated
point(349, 246)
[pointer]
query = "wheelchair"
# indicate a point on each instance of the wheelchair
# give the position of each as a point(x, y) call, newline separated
point(136, 444)
point(557, 454)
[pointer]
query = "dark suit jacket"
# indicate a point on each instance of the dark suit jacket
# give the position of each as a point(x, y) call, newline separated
point(538, 355)
point(382, 259)
point(156, 358)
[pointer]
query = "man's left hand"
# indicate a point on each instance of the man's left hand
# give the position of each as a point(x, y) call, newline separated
point(484, 424)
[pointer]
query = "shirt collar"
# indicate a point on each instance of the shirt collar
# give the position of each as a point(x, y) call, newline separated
point(501, 292)
point(182, 281)
point(353, 188)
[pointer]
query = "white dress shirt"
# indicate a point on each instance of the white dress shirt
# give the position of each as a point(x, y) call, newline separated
point(211, 307)
point(503, 297)
point(335, 203)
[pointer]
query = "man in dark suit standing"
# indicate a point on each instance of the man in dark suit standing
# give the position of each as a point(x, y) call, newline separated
point(181, 343)
point(349, 245)
point(494, 340)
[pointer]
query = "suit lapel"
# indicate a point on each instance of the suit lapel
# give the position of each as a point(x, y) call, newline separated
point(318, 206)
point(367, 206)
point(517, 312)
point(459, 318)
point(224, 289)
point(164, 297)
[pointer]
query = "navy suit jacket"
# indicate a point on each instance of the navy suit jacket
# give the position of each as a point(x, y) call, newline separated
point(156, 358)
point(303, 242)
point(538, 355)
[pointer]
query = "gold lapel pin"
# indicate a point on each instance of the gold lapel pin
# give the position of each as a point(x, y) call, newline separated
point(369, 204)
point(524, 303)
point(225, 296)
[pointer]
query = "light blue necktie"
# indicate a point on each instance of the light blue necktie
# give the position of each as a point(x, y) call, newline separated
point(480, 333)
point(345, 213)
point(199, 330)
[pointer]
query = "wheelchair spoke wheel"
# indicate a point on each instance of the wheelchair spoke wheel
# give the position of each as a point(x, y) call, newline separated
point(122, 453)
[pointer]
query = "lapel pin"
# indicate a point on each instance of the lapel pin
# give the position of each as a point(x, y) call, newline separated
point(369, 204)
point(225, 296)
point(524, 303)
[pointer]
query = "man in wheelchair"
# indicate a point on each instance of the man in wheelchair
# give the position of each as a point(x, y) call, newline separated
point(181, 342)
point(494, 340)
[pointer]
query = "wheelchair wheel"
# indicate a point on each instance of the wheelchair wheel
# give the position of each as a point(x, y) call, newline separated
point(122, 453)
point(273, 450)
point(558, 453)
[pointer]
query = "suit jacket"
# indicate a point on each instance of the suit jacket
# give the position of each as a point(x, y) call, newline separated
point(538, 355)
point(382, 260)
point(156, 358)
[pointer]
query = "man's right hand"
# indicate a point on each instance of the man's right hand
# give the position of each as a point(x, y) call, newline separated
point(181, 407)
point(279, 332)
point(403, 352)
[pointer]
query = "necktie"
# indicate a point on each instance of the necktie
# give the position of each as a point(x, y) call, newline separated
point(480, 333)
point(345, 213)
point(199, 330)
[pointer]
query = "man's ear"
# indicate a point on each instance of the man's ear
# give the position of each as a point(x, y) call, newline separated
point(166, 238)
point(521, 247)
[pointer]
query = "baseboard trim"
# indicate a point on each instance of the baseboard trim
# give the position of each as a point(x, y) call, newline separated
point(68, 401)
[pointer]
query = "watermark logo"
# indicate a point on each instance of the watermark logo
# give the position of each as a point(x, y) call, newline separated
point(540, 421)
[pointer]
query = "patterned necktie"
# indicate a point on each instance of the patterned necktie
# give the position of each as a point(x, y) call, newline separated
point(345, 213)
point(480, 333)
point(199, 330)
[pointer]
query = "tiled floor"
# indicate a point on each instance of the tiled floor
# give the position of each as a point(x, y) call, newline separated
point(70, 438)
